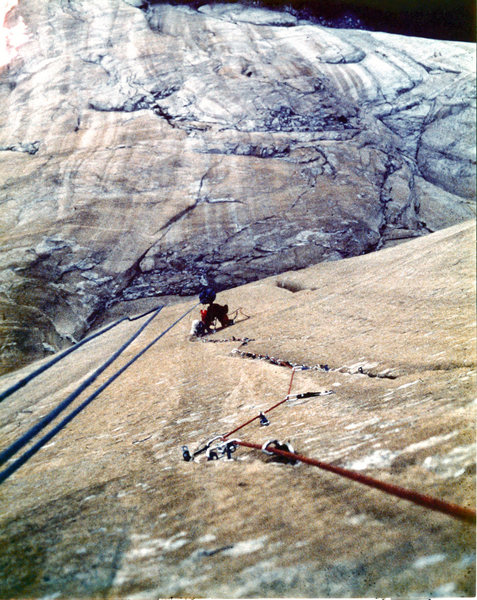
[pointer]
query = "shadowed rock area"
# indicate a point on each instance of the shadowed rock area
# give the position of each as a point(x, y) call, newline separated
point(146, 150)
point(108, 508)
point(435, 19)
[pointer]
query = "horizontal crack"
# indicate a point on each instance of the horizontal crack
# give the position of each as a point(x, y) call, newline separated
point(321, 367)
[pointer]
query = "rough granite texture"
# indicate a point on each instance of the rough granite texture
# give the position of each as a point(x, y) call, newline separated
point(109, 509)
point(144, 151)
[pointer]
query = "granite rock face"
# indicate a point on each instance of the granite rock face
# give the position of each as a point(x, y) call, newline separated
point(146, 150)
point(108, 508)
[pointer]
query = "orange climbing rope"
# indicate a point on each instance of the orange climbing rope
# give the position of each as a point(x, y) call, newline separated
point(453, 510)
point(287, 397)
point(224, 447)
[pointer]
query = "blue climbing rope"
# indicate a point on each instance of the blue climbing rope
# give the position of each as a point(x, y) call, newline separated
point(24, 439)
point(22, 382)
point(46, 438)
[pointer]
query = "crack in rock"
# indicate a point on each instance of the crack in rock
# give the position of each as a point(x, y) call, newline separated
point(294, 127)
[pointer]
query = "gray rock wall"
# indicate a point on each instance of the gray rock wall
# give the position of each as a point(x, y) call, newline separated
point(108, 508)
point(147, 150)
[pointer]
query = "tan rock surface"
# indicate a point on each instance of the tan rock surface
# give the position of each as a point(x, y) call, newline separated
point(143, 151)
point(110, 509)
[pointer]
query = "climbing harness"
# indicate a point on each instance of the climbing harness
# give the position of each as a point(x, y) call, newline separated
point(232, 319)
point(22, 382)
point(212, 314)
point(16, 446)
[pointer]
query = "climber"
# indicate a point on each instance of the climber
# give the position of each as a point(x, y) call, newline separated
point(215, 311)
point(210, 314)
